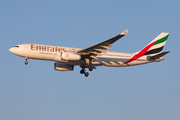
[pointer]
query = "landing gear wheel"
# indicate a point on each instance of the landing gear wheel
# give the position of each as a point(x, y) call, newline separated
point(91, 68)
point(86, 66)
point(26, 62)
point(82, 71)
point(86, 74)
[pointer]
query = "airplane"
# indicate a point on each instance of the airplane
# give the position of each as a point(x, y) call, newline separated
point(66, 58)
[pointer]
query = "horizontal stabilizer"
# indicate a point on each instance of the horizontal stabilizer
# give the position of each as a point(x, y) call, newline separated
point(155, 57)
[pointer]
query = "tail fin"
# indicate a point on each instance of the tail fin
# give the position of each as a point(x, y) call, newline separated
point(155, 46)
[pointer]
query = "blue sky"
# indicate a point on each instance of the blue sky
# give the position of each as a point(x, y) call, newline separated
point(37, 91)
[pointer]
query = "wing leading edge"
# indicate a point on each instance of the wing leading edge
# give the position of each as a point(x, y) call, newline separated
point(97, 49)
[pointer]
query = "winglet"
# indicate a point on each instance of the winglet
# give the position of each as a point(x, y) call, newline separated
point(124, 33)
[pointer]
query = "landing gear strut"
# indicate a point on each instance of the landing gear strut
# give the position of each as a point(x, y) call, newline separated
point(26, 62)
point(88, 64)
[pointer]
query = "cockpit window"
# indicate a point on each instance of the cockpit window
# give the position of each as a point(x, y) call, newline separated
point(16, 46)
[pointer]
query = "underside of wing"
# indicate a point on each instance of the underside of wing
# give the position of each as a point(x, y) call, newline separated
point(93, 51)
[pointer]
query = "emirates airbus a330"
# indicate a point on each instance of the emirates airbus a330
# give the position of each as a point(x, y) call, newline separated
point(66, 58)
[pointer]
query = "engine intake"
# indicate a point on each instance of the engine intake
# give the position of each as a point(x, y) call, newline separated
point(63, 67)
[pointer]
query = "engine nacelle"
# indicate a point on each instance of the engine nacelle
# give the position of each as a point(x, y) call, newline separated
point(70, 56)
point(63, 67)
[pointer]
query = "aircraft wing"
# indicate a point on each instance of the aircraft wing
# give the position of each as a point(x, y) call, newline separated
point(97, 49)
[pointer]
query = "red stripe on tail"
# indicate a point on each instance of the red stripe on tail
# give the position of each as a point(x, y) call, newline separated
point(141, 53)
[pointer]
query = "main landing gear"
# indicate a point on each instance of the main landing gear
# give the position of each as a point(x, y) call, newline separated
point(83, 71)
point(26, 62)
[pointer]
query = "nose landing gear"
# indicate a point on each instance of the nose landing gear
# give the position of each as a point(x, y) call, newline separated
point(26, 62)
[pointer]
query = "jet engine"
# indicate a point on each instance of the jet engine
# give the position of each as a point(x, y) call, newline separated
point(70, 56)
point(63, 67)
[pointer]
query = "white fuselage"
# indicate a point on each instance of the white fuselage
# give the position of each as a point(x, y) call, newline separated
point(53, 53)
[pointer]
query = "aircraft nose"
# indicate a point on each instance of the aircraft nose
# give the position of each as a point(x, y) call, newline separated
point(11, 49)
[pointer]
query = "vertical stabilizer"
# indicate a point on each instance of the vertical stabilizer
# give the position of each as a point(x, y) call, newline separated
point(155, 46)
